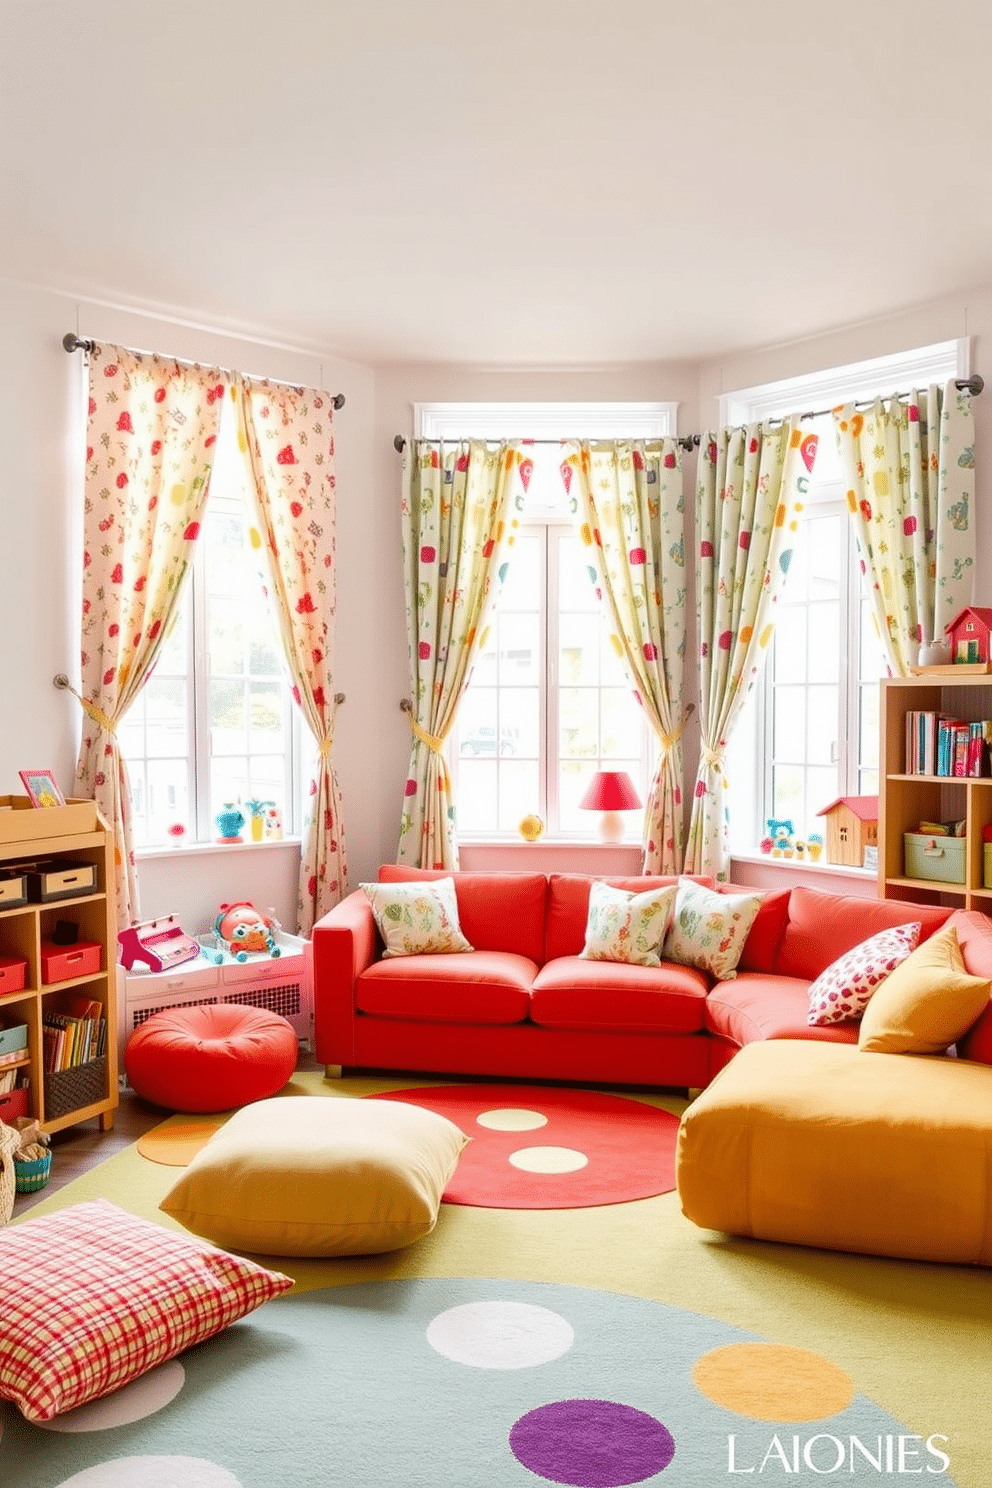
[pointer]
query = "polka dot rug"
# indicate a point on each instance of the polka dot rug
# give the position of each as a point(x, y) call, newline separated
point(543, 1147)
point(479, 1383)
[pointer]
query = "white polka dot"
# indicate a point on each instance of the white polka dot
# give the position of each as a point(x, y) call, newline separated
point(154, 1472)
point(510, 1118)
point(548, 1159)
point(500, 1335)
point(133, 1402)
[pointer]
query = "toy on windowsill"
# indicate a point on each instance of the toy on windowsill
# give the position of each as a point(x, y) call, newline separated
point(273, 822)
point(257, 824)
point(814, 846)
point(782, 834)
point(241, 928)
point(229, 821)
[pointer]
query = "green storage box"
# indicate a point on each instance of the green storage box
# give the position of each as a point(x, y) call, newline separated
point(941, 859)
point(14, 1039)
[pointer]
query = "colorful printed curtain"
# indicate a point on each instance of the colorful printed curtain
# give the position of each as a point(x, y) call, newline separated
point(287, 436)
point(150, 448)
point(628, 501)
point(457, 526)
point(909, 466)
point(749, 492)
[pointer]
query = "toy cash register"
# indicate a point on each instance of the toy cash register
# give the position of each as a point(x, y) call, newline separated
point(160, 944)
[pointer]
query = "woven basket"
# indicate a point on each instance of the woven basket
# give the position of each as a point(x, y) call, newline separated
point(30, 1176)
point(71, 1089)
point(9, 1139)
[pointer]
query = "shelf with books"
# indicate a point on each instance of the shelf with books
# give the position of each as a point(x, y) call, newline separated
point(53, 938)
point(936, 780)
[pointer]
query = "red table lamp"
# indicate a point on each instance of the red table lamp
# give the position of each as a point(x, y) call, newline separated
point(610, 791)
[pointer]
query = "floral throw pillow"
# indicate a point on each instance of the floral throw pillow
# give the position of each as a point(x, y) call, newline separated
point(843, 991)
point(628, 927)
point(415, 918)
point(709, 929)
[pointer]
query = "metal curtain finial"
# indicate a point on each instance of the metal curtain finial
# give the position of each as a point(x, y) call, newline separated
point(72, 342)
point(60, 680)
point(338, 400)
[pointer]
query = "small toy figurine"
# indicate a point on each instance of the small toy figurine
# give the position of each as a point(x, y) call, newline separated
point(230, 819)
point(273, 822)
point(242, 928)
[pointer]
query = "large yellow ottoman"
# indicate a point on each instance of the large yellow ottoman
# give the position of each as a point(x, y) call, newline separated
point(823, 1144)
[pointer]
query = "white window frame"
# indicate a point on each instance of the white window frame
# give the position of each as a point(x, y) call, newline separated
point(543, 421)
point(858, 382)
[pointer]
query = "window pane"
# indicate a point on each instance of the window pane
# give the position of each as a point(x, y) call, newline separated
point(168, 797)
point(520, 722)
point(519, 640)
point(228, 721)
point(579, 726)
point(266, 704)
point(518, 792)
point(824, 644)
point(790, 730)
point(578, 649)
point(575, 590)
point(227, 636)
point(476, 809)
point(620, 723)
point(228, 783)
point(790, 646)
point(523, 586)
point(167, 725)
point(822, 728)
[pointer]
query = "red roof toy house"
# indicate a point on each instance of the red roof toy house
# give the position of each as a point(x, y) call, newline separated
point(852, 825)
point(969, 636)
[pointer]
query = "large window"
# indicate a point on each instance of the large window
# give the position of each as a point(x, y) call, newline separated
point(214, 725)
point(549, 702)
point(809, 732)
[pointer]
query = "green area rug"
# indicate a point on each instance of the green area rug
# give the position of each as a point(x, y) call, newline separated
point(595, 1347)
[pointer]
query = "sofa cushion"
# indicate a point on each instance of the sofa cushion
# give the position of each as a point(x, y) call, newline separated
point(496, 911)
point(974, 932)
point(626, 927)
point(416, 918)
point(756, 1006)
point(572, 992)
point(709, 929)
point(927, 1003)
point(823, 926)
point(765, 935)
point(478, 987)
point(843, 991)
point(568, 906)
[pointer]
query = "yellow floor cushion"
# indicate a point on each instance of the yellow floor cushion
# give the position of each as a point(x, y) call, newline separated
point(313, 1176)
point(828, 1145)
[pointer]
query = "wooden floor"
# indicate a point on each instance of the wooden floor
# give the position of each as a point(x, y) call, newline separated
point(78, 1148)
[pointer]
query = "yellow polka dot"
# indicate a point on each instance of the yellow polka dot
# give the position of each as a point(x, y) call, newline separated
point(795, 439)
point(616, 644)
point(881, 482)
point(586, 533)
point(178, 494)
point(766, 635)
point(780, 515)
point(852, 501)
point(747, 631)
point(773, 1382)
point(254, 537)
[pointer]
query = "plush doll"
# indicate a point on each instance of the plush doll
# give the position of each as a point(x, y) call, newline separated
point(242, 928)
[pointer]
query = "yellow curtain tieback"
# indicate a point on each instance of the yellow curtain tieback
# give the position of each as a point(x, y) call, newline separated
point(668, 741)
point(712, 758)
point(326, 746)
point(91, 710)
point(431, 740)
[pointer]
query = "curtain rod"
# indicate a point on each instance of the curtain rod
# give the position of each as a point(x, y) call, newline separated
point(72, 342)
point(684, 441)
point(972, 384)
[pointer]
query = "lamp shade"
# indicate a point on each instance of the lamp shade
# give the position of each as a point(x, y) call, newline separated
point(610, 790)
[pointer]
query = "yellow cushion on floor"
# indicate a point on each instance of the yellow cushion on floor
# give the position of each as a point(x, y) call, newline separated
point(822, 1144)
point(319, 1176)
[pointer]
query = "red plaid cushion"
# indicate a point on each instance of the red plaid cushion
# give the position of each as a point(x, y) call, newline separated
point(91, 1297)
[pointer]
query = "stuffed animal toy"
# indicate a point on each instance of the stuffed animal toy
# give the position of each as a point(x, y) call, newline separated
point(242, 928)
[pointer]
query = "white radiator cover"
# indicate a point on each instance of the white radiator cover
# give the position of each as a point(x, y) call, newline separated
point(280, 985)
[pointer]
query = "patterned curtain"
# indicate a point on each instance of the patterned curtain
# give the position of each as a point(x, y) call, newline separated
point(749, 493)
point(456, 529)
point(910, 472)
point(287, 436)
point(627, 499)
point(150, 448)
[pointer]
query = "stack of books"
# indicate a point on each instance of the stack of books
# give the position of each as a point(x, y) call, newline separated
point(939, 745)
point(73, 1037)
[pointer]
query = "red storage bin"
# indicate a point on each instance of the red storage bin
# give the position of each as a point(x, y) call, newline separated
point(13, 971)
point(13, 1104)
point(60, 963)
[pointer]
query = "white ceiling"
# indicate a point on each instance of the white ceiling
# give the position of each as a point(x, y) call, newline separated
point(513, 182)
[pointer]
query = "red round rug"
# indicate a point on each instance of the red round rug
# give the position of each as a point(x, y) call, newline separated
point(534, 1147)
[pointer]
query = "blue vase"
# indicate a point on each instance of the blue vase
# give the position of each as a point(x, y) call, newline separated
point(229, 821)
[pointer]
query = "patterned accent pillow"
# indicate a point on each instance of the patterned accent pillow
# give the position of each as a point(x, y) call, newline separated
point(414, 918)
point(627, 927)
point(91, 1297)
point(709, 929)
point(843, 991)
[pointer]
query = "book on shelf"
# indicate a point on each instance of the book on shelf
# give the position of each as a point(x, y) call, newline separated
point(71, 1039)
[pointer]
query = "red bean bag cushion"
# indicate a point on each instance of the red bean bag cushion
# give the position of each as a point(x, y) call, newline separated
point(210, 1057)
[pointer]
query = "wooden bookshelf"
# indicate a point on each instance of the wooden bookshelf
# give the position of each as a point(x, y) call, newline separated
point(905, 799)
point(61, 836)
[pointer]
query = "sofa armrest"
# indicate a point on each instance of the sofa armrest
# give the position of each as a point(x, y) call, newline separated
point(345, 942)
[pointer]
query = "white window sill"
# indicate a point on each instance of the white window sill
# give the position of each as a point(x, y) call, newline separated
point(182, 849)
point(803, 865)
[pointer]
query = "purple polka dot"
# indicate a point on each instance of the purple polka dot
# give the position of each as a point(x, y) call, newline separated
point(591, 1443)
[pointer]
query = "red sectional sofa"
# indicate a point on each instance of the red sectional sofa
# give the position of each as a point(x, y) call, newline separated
point(524, 1003)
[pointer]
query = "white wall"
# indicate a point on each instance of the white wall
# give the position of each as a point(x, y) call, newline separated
point(42, 443)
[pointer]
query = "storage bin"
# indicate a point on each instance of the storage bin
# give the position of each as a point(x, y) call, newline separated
point(69, 1090)
point(30, 1176)
point(59, 963)
point(13, 1104)
point(52, 881)
point(13, 1039)
point(940, 859)
point(13, 973)
point(13, 889)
